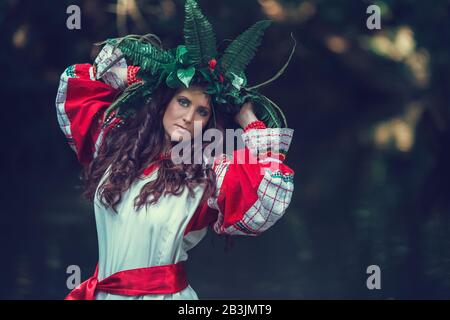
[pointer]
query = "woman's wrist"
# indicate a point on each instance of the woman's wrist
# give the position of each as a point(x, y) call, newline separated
point(246, 118)
point(246, 115)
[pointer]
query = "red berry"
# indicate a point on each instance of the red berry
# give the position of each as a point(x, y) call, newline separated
point(212, 63)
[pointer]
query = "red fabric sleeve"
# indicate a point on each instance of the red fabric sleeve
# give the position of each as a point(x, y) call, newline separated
point(254, 186)
point(253, 195)
point(81, 103)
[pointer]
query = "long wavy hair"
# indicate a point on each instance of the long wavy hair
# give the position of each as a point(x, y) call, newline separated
point(128, 149)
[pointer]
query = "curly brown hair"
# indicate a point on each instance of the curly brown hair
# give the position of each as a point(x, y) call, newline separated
point(129, 149)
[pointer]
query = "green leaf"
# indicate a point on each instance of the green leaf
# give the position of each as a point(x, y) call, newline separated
point(237, 81)
point(182, 54)
point(242, 50)
point(267, 110)
point(245, 79)
point(169, 67)
point(172, 80)
point(186, 75)
point(277, 110)
point(206, 73)
point(269, 117)
point(217, 86)
point(144, 54)
point(199, 36)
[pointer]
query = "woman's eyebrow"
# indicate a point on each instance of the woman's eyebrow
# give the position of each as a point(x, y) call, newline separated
point(205, 107)
point(180, 96)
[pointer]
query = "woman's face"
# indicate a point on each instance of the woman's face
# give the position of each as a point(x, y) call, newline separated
point(188, 106)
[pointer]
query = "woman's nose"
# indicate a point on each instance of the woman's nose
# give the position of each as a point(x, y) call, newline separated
point(189, 115)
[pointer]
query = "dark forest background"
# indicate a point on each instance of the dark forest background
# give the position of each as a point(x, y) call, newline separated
point(371, 149)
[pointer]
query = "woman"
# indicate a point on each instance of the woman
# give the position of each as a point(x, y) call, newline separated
point(149, 209)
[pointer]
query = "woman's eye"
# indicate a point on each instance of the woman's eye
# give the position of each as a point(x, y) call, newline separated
point(203, 112)
point(183, 102)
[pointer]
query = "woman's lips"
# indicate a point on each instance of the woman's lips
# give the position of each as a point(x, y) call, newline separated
point(181, 128)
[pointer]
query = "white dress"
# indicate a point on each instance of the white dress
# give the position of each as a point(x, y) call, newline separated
point(250, 197)
point(133, 239)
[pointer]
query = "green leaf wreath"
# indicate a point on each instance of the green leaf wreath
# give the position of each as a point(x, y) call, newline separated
point(197, 60)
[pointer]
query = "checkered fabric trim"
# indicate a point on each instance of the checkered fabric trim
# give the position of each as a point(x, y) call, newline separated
point(98, 142)
point(285, 177)
point(108, 58)
point(92, 73)
point(268, 141)
point(220, 168)
point(70, 72)
point(274, 196)
point(63, 119)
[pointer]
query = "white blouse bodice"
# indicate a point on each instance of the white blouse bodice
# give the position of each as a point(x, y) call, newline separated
point(152, 236)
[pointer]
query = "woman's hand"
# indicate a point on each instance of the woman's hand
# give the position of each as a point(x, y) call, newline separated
point(121, 72)
point(246, 115)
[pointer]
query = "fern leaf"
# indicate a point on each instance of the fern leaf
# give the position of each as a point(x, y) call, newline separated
point(199, 36)
point(267, 110)
point(242, 50)
point(149, 57)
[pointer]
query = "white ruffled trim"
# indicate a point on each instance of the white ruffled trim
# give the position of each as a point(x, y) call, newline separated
point(106, 62)
point(260, 141)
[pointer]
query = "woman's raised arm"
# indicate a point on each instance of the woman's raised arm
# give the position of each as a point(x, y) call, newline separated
point(254, 186)
point(85, 92)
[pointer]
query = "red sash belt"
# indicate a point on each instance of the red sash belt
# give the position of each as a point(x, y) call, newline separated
point(135, 282)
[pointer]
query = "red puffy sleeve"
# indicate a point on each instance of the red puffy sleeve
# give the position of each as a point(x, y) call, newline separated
point(85, 92)
point(254, 186)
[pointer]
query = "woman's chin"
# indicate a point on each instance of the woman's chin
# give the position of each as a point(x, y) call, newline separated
point(179, 135)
